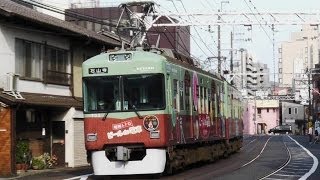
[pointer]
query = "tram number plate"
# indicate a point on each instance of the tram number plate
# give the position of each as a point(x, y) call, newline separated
point(100, 70)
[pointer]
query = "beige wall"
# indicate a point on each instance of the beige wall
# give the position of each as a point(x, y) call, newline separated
point(80, 54)
point(294, 57)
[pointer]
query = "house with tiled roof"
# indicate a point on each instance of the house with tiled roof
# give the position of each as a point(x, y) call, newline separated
point(40, 84)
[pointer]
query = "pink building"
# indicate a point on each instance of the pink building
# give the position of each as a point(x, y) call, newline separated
point(260, 116)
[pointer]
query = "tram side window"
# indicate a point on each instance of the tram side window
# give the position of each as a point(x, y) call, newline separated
point(219, 100)
point(205, 100)
point(175, 94)
point(187, 90)
point(187, 96)
point(201, 100)
point(181, 90)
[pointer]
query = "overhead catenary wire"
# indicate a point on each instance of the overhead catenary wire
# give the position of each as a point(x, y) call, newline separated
point(184, 45)
point(195, 29)
point(75, 14)
point(273, 45)
point(69, 13)
point(194, 57)
point(192, 35)
point(95, 20)
point(258, 21)
point(165, 34)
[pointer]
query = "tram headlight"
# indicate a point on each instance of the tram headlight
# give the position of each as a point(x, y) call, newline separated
point(120, 57)
point(92, 137)
point(113, 57)
point(127, 56)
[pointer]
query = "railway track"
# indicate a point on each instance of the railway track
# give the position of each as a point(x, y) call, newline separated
point(261, 157)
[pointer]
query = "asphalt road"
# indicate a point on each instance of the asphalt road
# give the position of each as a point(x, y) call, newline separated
point(261, 157)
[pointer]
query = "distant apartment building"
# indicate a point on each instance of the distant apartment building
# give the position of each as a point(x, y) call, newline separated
point(253, 76)
point(296, 57)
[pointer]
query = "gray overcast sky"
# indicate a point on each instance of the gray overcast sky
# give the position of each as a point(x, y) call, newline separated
point(260, 46)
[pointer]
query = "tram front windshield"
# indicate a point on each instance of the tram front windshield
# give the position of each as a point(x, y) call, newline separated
point(124, 93)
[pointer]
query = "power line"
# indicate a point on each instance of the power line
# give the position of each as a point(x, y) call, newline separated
point(197, 30)
point(258, 21)
point(185, 47)
point(191, 35)
point(69, 13)
point(80, 16)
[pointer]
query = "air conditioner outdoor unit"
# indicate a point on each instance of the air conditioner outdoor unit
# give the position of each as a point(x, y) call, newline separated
point(10, 82)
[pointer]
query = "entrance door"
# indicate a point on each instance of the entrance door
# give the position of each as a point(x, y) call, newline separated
point(58, 141)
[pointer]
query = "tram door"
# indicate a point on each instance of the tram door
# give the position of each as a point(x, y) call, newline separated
point(58, 141)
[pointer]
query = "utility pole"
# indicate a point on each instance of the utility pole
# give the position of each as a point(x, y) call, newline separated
point(231, 53)
point(309, 94)
point(219, 45)
point(242, 67)
point(274, 61)
point(219, 37)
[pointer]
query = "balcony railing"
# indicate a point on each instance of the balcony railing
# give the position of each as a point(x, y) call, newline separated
point(56, 77)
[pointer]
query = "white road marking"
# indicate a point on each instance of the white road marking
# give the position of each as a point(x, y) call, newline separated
point(297, 169)
point(82, 177)
point(285, 175)
point(315, 161)
point(258, 154)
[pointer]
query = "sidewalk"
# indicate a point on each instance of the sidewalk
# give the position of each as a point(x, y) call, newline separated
point(31, 172)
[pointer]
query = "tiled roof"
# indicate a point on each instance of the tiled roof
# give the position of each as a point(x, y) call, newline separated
point(47, 100)
point(9, 8)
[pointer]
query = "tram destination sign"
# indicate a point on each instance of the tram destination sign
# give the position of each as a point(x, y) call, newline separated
point(99, 70)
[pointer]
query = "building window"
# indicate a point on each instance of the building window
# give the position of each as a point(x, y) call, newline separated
point(306, 49)
point(29, 59)
point(267, 110)
point(289, 110)
point(280, 80)
point(280, 60)
point(280, 50)
point(280, 70)
point(40, 62)
point(57, 66)
point(259, 110)
point(274, 109)
point(33, 116)
point(295, 110)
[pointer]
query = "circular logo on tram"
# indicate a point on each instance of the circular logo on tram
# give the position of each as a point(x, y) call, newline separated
point(150, 123)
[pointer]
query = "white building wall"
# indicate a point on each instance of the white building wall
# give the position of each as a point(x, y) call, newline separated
point(295, 57)
point(7, 58)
